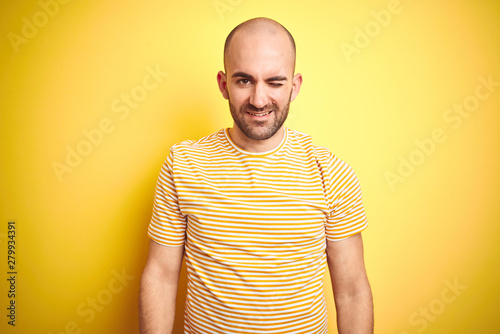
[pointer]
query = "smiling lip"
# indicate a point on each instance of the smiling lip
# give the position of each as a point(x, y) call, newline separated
point(261, 114)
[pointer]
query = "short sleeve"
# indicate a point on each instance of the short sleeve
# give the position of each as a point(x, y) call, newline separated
point(343, 194)
point(168, 224)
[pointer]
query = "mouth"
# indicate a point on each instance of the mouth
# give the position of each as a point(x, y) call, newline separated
point(259, 114)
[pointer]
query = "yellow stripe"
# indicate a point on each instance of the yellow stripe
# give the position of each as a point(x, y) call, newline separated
point(256, 228)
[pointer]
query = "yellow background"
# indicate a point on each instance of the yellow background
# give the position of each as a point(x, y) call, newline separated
point(440, 226)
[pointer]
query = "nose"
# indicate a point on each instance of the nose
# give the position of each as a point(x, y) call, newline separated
point(258, 97)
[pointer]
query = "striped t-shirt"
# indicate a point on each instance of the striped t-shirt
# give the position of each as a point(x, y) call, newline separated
point(254, 227)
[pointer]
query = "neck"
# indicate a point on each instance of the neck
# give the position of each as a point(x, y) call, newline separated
point(252, 145)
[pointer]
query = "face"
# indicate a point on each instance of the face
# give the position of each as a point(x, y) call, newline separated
point(259, 83)
point(259, 123)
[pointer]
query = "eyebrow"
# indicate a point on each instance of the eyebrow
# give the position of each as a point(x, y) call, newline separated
point(248, 76)
point(277, 78)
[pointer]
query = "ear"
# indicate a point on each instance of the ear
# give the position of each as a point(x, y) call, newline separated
point(222, 81)
point(296, 83)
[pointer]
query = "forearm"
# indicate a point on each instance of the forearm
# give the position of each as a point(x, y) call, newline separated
point(355, 312)
point(157, 299)
point(351, 289)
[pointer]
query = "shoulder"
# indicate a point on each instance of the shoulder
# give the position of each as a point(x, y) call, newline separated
point(203, 145)
point(193, 150)
point(327, 161)
point(298, 137)
point(305, 141)
point(332, 165)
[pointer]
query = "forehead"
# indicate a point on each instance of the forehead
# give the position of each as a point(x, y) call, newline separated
point(260, 52)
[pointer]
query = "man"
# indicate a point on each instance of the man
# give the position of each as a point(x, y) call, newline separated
point(257, 211)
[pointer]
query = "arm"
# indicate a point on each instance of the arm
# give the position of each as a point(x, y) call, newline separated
point(158, 289)
point(351, 290)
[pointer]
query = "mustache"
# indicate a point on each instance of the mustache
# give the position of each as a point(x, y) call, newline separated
point(266, 108)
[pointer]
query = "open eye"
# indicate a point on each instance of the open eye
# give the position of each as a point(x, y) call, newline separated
point(243, 82)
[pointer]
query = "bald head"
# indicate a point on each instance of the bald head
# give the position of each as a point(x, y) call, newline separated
point(260, 26)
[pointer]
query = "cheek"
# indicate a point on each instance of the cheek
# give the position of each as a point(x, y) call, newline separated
point(238, 96)
point(282, 97)
point(239, 99)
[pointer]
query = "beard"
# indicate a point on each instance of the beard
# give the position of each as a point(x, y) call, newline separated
point(255, 129)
